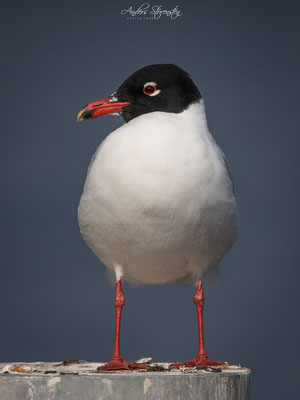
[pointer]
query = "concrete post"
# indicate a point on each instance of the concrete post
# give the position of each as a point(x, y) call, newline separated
point(55, 381)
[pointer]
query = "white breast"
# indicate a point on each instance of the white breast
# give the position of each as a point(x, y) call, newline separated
point(158, 202)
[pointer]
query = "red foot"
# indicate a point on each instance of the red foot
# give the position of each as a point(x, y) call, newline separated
point(120, 364)
point(199, 362)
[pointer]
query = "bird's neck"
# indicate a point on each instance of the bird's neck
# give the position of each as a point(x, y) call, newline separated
point(195, 115)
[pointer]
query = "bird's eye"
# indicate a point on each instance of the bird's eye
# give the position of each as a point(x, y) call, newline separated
point(150, 89)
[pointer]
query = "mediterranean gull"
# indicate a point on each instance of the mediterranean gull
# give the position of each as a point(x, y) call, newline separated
point(158, 205)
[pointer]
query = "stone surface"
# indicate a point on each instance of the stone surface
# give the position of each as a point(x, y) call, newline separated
point(81, 381)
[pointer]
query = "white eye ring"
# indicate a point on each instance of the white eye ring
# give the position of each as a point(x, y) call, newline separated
point(157, 91)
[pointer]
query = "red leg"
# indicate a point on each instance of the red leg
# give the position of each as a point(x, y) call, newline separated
point(117, 362)
point(201, 359)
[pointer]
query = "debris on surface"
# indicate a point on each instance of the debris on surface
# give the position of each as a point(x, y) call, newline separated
point(193, 369)
point(80, 367)
point(157, 368)
point(21, 368)
point(145, 360)
point(69, 362)
point(69, 373)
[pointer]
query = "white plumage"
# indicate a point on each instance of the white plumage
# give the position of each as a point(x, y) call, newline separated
point(158, 204)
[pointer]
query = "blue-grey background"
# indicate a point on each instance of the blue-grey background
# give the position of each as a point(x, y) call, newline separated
point(56, 302)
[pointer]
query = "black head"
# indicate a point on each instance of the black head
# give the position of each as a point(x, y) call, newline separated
point(158, 87)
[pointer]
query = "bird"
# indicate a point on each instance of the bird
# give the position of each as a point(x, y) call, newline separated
point(158, 204)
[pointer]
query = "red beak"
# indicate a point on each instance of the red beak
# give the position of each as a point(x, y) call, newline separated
point(101, 107)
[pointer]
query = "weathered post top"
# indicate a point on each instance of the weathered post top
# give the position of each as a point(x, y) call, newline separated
point(78, 380)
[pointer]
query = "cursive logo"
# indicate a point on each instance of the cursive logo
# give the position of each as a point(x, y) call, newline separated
point(146, 11)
